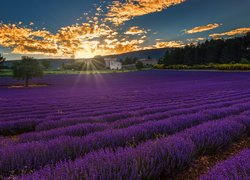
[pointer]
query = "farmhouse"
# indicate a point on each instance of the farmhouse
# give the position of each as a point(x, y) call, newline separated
point(113, 64)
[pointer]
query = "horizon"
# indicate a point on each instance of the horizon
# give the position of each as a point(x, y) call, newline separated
point(85, 29)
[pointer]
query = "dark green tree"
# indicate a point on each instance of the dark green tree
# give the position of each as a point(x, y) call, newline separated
point(46, 64)
point(225, 56)
point(139, 65)
point(215, 51)
point(27, 69)
point(2, 60)
point(63, 65)
point(244, 61)
point(129, 60)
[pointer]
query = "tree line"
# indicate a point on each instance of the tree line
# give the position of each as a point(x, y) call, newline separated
point(216, 51)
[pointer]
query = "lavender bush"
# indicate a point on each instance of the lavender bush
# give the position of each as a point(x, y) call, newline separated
point(151, 159)
point(140, 125)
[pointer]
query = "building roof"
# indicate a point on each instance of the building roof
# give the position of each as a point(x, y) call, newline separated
point(110, 59)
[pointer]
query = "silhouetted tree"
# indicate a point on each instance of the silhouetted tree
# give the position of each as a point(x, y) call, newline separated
point(2, 60)
point(46, 64)
point(63, 65)
point(225, 55)
point(213, 51)
point(139, 65)
point(129, 60)
point(27, 69)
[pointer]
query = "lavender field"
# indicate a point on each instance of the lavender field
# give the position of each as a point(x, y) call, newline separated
point(138, 125)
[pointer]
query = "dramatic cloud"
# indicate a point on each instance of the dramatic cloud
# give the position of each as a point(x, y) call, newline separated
point(85, 40)
point(135, 30)
point(195, 40)
point(96, 37)
point(169, 44)
point(26, 40)
point(202, 28)
point(121, 12)
point(234, 32)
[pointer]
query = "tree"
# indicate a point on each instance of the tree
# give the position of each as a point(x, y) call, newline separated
point(129, 60)
point(215, 51)
point(2, 60)
point(244, 61)
point(63, 66)
point(46, 64)
point(139, 65)
point(27, 69)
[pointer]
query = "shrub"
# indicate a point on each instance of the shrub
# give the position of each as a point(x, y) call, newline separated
point(139, 65)
point(159, 66)
point(27, 69)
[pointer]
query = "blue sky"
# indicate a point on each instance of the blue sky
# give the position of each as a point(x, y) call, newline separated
point(162, 26)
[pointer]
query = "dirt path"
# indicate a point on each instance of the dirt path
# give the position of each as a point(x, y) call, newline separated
point(204, 163)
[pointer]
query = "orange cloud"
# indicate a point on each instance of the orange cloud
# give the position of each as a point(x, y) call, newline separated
point(194, 40)
point(135, 30)
point(169, 44)
point(27, 40)
point(96, 37)
point(202, 28)
point(119, 12)
point(234, 32)
point(85, 40)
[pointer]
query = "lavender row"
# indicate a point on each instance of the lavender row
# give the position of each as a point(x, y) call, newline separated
point(128, 122)
point(66, 103)
point(73, 108)
point(76, 129)
point(84, 129)
point(59, 115)
point(121, 120)
point(41, 114)
point(81, 112)
point(17, 127)
point(236, 167)
point(151, 160)
point(155, 117)
point(34, 155)
point(80, 129)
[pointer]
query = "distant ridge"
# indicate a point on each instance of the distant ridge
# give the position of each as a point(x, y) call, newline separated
point(153, 53)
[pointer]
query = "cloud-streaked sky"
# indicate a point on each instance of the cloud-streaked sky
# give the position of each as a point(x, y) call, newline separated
point(86, 28)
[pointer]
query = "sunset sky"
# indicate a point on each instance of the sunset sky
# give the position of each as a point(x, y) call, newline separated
point(86, 28)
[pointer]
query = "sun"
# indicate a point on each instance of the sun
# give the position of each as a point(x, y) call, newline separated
point(84, 54)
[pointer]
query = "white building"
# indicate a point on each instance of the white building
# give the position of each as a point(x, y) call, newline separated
point(113, 64)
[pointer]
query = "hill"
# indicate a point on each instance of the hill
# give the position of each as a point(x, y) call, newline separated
point(153, 53)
